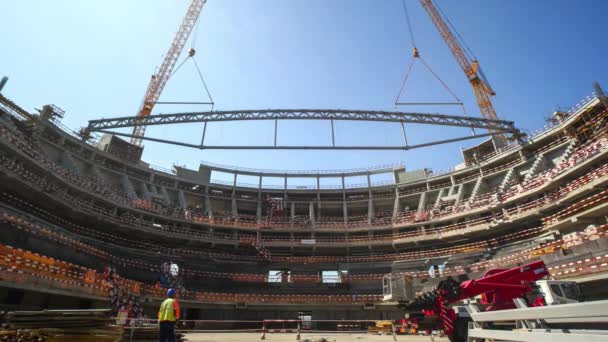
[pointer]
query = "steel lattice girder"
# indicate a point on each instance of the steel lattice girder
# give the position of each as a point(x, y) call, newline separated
point(497, 126)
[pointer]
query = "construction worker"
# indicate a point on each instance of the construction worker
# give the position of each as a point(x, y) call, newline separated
point(167, 315)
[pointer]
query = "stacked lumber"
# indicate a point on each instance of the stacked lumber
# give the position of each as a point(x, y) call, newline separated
point(147, 333)
point(58, 325)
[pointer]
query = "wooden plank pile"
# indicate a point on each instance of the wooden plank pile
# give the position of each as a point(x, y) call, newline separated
point(147, 333)
point(59, 325)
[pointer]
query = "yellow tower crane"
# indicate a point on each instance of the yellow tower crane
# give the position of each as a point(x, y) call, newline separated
point(481, 88)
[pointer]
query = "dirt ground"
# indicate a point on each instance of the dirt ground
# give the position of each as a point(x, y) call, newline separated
point(312, 337)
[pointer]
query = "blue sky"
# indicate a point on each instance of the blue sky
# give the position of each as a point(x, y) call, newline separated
point(94, 59)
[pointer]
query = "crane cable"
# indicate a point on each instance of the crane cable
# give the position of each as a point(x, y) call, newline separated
point(409, 25)
point(443, 84)
point(405, 77)
point(198, 70)
point(178, 67)
point(416, 55)
point(200, 74)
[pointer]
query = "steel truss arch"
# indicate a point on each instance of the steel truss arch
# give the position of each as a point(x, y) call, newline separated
point(493, 127)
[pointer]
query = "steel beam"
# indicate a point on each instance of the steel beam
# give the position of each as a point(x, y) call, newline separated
point(301, 147)
point(499, 126)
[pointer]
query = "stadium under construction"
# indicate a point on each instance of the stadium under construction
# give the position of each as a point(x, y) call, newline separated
point(87, 224)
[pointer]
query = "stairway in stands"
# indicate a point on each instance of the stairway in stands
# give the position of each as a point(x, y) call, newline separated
point(264, 253)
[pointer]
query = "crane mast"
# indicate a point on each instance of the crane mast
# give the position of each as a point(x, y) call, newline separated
point(481, 88)
point(161, 76)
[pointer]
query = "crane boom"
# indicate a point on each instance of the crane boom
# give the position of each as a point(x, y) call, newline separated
point(470, 67)
point(160, 78)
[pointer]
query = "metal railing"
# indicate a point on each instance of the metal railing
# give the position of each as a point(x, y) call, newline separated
point(534, 324)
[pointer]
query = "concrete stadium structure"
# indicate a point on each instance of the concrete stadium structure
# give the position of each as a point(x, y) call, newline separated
point(82, 221)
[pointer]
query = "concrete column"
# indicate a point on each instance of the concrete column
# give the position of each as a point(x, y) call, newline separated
point(182, 199)
point(476, 188)
point(164, 193)
point(235, 212)
point(370, 202)
point(311, 210)
point(439, 196)
point(96, 172)
point(344, 205)
point(452, 180)
point(208, 206)
point(144, 191)
point(396, 204)
point(459, 194)
point(259, 204)
point(127, 187)
point(600, 94)
point(293, 212)
point(421, 202)
point(68, 162)
point(318, 199)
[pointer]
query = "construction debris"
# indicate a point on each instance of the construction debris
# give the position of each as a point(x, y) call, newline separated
point(59, 325)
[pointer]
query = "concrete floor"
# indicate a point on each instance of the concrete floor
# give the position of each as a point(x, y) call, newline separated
point(342, 337)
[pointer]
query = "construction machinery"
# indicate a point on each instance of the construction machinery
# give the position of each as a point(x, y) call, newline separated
point(497, 288)
point(513, 305)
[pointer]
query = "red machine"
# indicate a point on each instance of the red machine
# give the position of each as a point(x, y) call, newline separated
point(498, 288)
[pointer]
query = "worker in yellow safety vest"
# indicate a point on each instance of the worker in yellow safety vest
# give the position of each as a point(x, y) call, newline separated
point(167, 315)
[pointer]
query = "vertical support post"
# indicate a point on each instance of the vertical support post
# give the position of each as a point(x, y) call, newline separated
point(276, 124)
point(404, 135)
point(204, 133)
point(333, 135)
